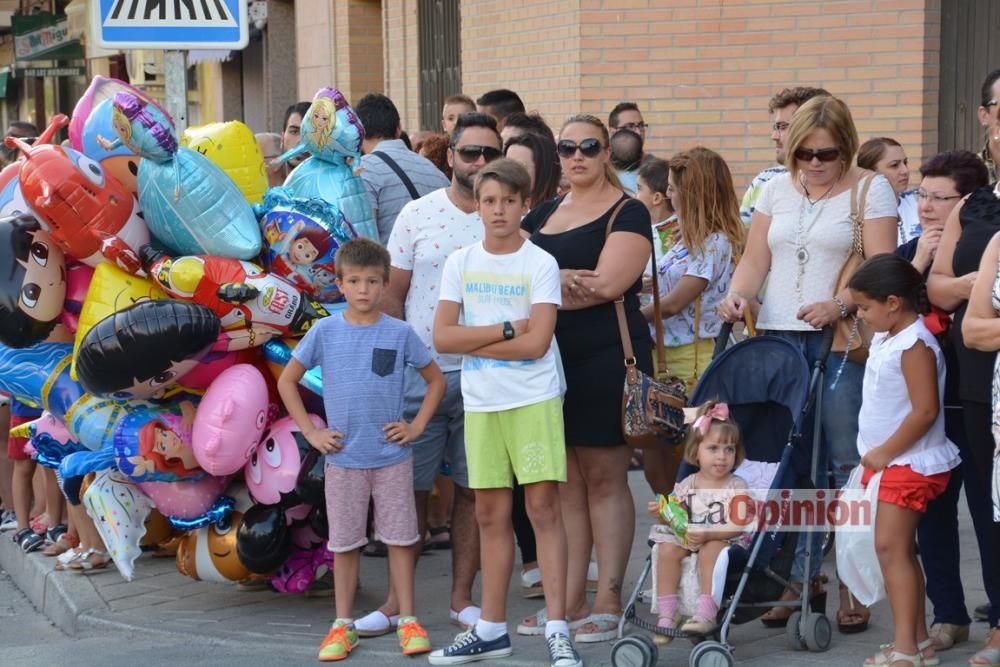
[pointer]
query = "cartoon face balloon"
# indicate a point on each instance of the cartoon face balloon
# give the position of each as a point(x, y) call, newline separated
point(273, 467)
point(89, 213)
point(32, 282)
point(233, 148)
point(119, 161)
point(240, 293)
point(119, 511)
point(230, 420)
point(301, 238)
point(209, 553)
point(142, 350)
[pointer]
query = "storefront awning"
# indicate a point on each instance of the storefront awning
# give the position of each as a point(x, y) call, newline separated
point(44, 36)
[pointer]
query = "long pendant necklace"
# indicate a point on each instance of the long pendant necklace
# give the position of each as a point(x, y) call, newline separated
point(802, 231)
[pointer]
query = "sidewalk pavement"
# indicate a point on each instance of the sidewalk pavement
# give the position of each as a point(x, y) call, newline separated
point(163, 602)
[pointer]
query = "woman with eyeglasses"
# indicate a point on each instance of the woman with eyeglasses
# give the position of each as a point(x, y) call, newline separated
point(969, 227)
point(885, 155)
point(800, 237)
point(595, 269)
point(945, 179)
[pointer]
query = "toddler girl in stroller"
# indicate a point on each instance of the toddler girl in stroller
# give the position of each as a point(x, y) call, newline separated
point(715, 447)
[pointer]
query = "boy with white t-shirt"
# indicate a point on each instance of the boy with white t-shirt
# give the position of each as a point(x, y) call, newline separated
point(507, 290)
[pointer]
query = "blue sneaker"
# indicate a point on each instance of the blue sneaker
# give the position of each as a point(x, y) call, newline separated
point(468, 647)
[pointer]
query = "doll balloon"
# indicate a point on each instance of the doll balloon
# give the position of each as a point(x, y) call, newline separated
point(140, 351)
point(212, 216)
point(32, 282)
point(332, 134)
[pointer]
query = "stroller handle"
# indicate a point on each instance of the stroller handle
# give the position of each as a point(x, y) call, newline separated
point(722, 340)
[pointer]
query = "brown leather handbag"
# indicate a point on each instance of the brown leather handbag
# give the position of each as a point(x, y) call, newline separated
point(652, 412)
point(851, 335)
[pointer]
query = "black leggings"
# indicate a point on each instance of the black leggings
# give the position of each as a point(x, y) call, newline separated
point(979, 431)
point(522, 526)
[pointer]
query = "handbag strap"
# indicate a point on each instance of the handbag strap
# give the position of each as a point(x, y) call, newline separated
point(629, 352)
point(858, 213)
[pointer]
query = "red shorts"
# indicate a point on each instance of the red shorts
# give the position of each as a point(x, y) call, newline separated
point(905, 488)
point(15, 446)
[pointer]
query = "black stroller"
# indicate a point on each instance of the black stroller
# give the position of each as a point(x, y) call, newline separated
point(767, 383)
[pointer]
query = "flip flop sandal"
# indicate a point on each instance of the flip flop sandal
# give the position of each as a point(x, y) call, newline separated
point(607, 628)
point(29, 540)
point(541, 618)
point(989, 656)
point(376, 624)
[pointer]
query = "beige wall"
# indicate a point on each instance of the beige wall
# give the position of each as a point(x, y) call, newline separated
point(402, 59)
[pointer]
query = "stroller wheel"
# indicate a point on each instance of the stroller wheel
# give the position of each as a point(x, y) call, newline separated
point(634, 651)
point(711, 654)
point(818, 633)
point(792, 633)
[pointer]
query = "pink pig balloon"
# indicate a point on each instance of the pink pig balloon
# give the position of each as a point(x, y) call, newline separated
point(184, 499)
point(230, 420)
point(274, 465)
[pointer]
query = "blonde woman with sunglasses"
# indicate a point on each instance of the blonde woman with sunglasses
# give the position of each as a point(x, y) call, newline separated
point(595, 269)
point(800, 237)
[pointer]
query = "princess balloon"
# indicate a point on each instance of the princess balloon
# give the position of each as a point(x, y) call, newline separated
point(332, 134)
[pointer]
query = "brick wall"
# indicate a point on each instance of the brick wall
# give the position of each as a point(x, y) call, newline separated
point(530, 47)
point(314, 45)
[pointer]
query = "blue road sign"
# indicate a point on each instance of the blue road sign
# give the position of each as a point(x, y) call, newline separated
point(170, 24)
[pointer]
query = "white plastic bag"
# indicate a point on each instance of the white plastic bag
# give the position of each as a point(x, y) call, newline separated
point(857, 563)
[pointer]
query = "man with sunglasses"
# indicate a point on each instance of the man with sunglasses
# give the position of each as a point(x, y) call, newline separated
point(426, 232)
point(781, 107)
point(393, 174)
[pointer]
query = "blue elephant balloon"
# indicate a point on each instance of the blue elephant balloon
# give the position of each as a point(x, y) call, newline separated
point(190, 204)
point(332, 133)
point(301, 238)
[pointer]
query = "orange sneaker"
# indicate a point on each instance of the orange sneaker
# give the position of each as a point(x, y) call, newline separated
point(412, 637)
point(339, 642)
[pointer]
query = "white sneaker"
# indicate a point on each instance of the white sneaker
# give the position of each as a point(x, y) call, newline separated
point(8, 520)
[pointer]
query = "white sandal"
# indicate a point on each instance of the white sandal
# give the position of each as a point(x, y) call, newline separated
point(881, 658)
point(932, 661)
point(541, 618)
point(67, 558)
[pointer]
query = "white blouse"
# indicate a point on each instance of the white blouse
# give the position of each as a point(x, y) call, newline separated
point(885, 402)
point(824, 229)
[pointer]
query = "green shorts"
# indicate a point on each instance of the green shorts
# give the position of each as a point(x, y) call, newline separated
point(527, 443)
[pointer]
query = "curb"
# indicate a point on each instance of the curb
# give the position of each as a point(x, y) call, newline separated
point(65, 598)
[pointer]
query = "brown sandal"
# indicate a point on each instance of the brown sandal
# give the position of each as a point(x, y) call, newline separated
point(852, 617)
point(777, 617)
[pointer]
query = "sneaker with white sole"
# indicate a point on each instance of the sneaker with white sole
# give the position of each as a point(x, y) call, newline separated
point(8, 520)
point(562, 653)
point(469, 647)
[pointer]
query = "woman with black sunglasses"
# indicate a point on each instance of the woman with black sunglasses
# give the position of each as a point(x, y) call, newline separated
point(595, 268)
point(800, 237)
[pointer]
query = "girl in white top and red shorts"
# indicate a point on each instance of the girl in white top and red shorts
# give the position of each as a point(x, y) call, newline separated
point(901, 434)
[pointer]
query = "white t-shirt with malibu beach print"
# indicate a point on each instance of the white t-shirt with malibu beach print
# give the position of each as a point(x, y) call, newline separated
point(502, 288)
point(425, 233)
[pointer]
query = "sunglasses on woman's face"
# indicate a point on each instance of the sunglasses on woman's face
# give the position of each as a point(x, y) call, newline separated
point(471, 153)
point(823, 154)
point(589, 148)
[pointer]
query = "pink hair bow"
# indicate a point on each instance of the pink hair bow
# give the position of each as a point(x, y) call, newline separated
point(718, 412)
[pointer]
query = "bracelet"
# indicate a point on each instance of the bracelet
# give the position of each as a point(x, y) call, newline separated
point(840, 304)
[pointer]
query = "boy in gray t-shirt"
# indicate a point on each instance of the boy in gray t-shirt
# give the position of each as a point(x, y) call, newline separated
point(362, 353)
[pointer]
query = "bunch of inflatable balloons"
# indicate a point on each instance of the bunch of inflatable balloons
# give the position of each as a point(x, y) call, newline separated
point(150, 291)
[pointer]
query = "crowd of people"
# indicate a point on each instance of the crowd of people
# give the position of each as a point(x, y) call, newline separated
point(493, 415)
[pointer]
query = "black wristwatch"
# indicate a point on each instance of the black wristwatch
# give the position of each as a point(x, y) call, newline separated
point(508, 330)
